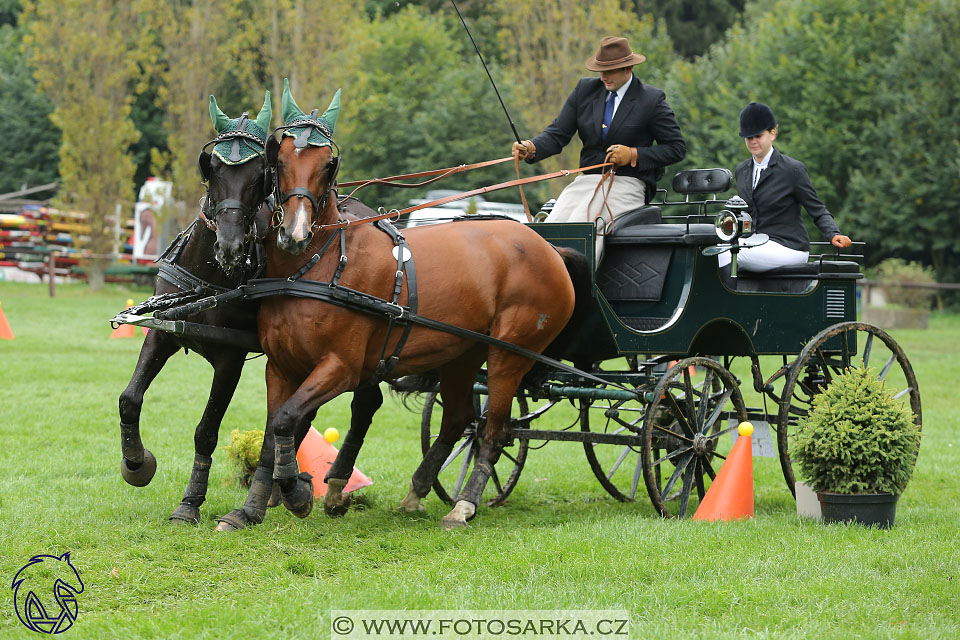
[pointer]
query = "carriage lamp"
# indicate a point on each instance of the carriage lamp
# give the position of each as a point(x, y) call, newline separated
point(734, 221)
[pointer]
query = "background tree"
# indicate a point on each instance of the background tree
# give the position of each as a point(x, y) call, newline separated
point(546, 42)
point(299, 40)
point(418, 100)
point(85, 55)
point(820, 64)
point(904, 193)
point(693, 25)
point(195, 54)
point(28, 152)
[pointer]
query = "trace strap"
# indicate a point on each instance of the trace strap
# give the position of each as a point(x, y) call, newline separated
point(364, 302)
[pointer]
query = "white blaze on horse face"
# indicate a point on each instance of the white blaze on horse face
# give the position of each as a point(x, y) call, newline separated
point(300, 227)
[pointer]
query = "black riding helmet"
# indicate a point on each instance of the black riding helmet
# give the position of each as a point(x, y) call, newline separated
point(756, 118)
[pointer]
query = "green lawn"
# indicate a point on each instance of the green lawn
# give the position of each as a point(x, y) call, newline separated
point(559, 543)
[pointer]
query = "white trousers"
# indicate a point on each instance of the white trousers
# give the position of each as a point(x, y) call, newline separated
point(769, 255)
point(580, 201)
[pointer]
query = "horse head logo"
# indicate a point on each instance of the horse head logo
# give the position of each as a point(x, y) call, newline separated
point(31, 593)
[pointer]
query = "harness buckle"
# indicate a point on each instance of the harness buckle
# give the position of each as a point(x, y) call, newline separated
point(395, 311)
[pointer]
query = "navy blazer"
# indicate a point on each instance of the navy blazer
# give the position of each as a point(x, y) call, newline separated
point(642, 118)
point(775, 202)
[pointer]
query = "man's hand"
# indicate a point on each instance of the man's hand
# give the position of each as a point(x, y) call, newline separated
point(524, 150)
point(841, 241)
point(620, 155)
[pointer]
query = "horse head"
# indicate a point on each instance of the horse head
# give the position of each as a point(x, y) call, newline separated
point(238, 180)
point(306, 170)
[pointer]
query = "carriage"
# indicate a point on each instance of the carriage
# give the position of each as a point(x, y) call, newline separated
point(664, 335)
point(675, 323)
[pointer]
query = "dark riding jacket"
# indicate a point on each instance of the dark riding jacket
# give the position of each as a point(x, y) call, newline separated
point(775, 202)
point(642, 119)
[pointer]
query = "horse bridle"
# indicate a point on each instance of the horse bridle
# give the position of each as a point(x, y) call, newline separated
point(308, 123)
point(248, 212)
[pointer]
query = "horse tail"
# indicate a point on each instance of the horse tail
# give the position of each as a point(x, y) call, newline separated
point(410, 389)
point(580, 271)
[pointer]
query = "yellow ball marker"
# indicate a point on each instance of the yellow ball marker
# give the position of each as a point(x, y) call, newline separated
point(745, 429)
point(331, 435)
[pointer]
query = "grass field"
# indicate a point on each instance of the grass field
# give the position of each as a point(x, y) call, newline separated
point(559, 543)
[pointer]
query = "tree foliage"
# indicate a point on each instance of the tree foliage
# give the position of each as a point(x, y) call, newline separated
point(820, 64)
point(904, 193)
point(693, 25)
point(92, 103)
point(418, 100)
point(194, 51)
point(28, 155)
point(860, 88)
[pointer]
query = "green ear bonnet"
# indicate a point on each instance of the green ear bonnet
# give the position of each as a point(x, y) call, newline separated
point(314, 131)
point(240, 139)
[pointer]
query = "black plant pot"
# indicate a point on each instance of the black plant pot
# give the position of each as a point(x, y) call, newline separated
point(863, 508)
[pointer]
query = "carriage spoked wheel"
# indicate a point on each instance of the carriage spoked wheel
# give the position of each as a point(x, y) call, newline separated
point(685, 432)
point(827, 355)
point(457, 467)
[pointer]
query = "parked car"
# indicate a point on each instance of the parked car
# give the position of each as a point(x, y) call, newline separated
point(451, 210)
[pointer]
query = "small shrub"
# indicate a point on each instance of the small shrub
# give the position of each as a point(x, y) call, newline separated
point(243, 453)
point(857, 438)
point(906, 274)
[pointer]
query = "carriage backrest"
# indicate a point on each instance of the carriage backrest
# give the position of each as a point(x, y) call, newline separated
point(697, 181)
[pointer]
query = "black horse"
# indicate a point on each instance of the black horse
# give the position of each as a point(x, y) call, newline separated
point(238, 182)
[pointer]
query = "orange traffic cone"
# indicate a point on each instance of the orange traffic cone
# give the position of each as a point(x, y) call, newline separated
point(315, 456)
point(6, 333)
point(125, 330)
point(730, 497)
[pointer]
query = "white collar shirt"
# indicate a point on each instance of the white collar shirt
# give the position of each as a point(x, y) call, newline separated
point(622, 91)
point(760, 166)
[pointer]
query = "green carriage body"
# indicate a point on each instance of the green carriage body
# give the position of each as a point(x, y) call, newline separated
point(656, 293)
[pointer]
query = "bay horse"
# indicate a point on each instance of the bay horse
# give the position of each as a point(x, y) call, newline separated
point(238, 183)
point(493, 277)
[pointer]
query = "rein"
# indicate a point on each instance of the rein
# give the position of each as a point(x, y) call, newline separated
point(393, 213)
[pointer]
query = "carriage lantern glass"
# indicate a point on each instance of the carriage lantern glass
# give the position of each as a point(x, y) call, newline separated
point(726, 225)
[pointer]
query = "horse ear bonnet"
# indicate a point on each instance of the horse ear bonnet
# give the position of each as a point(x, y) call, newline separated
point(239, 150)
point(319, 131)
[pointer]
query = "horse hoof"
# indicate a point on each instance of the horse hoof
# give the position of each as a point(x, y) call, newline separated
point(142, 475)
point(233, 521)
point(410, 503)
point(453, 522)
point(339, 509)
point(274, 500)
point(186, 513)
point(458, 516)
point(299, 500)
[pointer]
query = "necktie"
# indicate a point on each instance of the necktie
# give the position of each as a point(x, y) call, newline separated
point(608, 114)
point(756, 176)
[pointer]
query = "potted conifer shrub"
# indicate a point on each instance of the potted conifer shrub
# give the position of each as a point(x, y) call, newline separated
point(857, 448)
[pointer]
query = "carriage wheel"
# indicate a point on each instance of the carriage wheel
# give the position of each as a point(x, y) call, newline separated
point(828, 354)
point(685, 430)
point(458, 466)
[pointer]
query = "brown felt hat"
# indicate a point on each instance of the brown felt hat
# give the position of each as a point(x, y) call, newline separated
point(614, 53)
